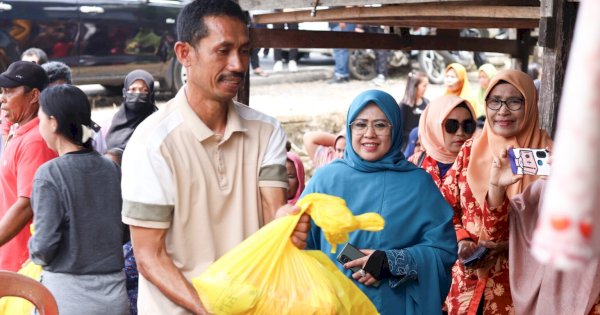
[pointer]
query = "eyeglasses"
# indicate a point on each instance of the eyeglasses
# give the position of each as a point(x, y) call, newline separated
point(381, 127)
point(468, 126)
point(513, 104)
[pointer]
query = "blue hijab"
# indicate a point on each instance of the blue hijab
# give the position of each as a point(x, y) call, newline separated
point(418, 219)
point(394, 158)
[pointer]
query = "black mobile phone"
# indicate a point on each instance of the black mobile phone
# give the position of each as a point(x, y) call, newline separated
point(477, 255)
point(348, 254)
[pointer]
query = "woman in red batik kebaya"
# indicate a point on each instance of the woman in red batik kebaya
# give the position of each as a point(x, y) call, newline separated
point(512, 119)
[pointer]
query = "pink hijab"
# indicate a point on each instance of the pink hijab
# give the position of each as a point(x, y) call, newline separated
point(299, 173)
point(431, 126)
point(488, 144)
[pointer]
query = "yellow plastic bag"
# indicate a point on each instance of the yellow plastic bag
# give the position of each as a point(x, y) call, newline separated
point(16, 305)
point(267, 274)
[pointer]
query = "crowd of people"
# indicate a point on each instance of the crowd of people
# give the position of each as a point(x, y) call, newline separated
point(122, 219)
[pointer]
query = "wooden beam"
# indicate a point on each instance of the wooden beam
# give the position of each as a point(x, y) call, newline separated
point(417, 11)
point(324, 39)
point(291, 4)
point(450, 23)
point(295, 4)
point(556, 41)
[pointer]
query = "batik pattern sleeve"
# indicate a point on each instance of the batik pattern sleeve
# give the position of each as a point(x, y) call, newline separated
point(402, 266)
point(47, 219)
point(495, 221)
point(451, 190)
point(147, 185)
point(272, 169)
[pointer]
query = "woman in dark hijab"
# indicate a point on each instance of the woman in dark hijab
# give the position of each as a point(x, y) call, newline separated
point(138, 103)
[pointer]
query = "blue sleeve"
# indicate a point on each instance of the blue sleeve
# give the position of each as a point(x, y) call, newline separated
point(402, 266)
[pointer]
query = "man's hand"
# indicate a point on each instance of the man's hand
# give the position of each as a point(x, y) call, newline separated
point(301, 231)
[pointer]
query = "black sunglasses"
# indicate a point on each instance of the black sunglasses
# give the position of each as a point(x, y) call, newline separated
point(468, 126)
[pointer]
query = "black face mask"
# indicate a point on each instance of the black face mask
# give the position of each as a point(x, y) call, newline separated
point(136, 101)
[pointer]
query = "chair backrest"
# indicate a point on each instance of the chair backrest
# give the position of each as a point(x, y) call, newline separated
point(14, 284)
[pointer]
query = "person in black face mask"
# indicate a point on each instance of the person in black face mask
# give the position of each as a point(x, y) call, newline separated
point(138, 103)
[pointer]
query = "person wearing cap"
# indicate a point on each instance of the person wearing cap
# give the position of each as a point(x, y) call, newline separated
point(24, 152)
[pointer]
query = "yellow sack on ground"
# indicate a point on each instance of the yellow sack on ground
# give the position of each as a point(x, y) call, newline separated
point(267, 274)
point(20, 306)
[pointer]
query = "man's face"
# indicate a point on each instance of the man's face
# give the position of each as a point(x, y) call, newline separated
point(18, 104)
point(216, 65)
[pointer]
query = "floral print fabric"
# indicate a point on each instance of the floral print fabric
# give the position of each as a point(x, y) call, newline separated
point(469, 286)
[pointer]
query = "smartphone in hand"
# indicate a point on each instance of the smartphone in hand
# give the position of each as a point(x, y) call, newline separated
point(529, 161)
point(477, 255)
point(348, 254)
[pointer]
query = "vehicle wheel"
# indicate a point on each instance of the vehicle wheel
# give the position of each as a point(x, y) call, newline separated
point(179, 76)
point(433, 64)
point(362, 65)
point(479, 58)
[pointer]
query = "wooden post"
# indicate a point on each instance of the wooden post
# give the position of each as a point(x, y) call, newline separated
point(525, 49)
point(243, 94)
point(556, 32)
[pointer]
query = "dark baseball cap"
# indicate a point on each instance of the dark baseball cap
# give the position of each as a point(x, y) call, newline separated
point(24, 73)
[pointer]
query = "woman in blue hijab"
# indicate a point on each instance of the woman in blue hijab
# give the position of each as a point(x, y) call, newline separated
point(406, 269)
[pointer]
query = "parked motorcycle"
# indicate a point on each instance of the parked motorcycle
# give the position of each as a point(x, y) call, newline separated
point(362, 63)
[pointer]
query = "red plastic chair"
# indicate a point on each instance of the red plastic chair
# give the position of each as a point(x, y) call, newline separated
point(14, 284)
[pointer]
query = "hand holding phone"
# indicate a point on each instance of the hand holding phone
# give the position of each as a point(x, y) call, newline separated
point(529, 161)
point(348, 254)
point(477, 256)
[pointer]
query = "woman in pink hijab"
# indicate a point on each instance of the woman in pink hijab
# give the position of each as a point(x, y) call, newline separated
point(445, 125)
point(295, 172)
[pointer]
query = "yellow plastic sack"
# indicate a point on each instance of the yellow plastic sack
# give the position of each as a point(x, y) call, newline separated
point(20, 306)
point(267, 274)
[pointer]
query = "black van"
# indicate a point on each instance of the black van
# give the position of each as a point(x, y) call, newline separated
point(101, 40)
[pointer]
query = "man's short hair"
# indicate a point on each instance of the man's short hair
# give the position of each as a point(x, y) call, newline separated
point(57, 70)
point(190, 22)
point(38, 53)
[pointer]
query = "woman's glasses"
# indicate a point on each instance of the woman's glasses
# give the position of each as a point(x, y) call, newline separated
point(468, 126)
point(513, 104)
point(381, 127)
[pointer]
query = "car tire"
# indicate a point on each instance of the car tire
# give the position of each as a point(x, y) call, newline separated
point(362, 65)
point(179, 76)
